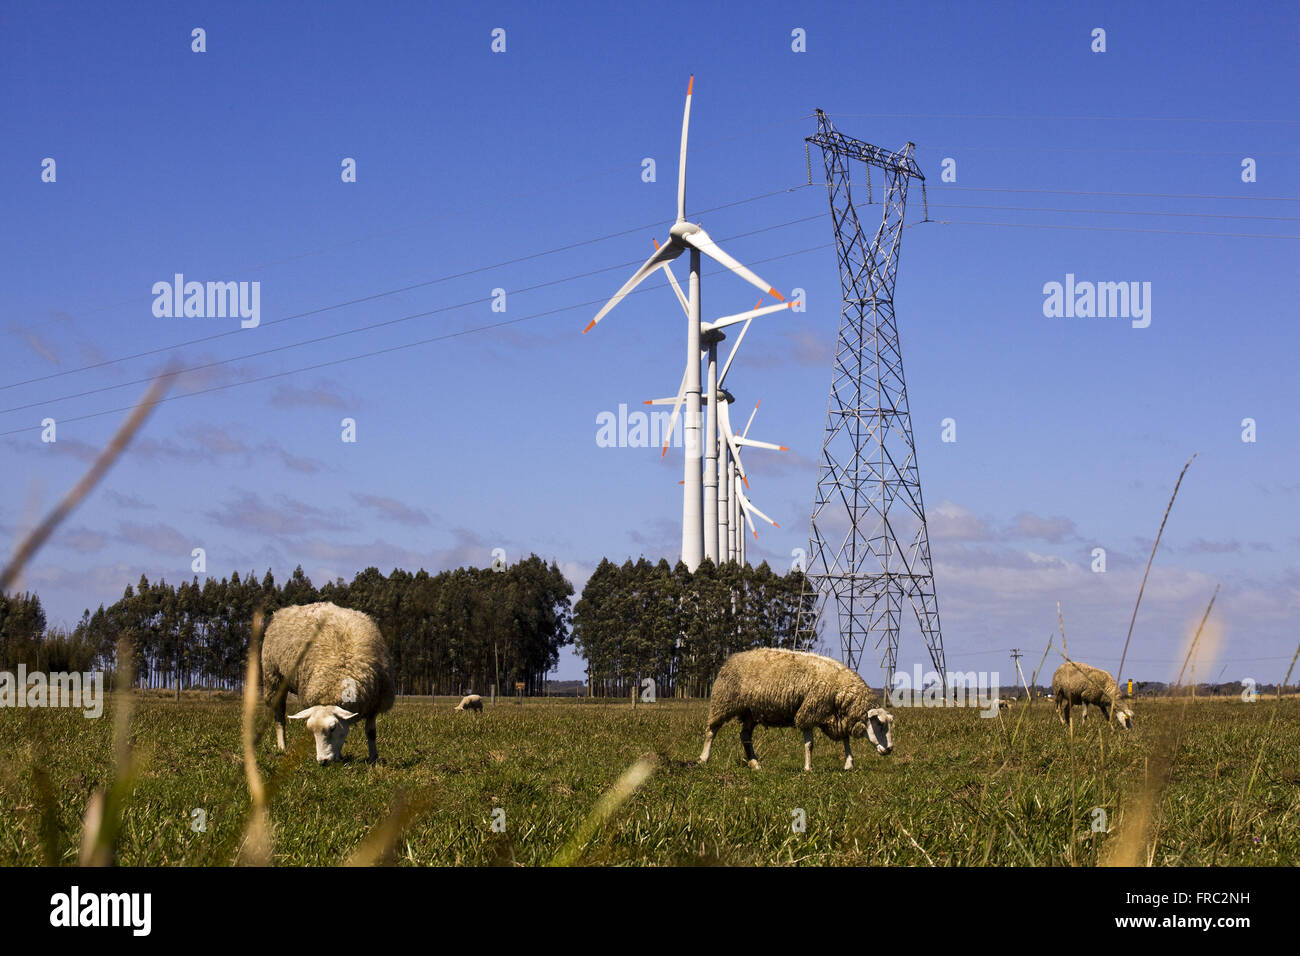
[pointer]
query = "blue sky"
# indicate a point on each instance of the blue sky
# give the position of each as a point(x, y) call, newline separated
point(225, 166)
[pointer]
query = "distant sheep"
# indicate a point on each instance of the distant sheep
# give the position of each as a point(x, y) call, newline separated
point(779, 688)
point(330, 657)
point(470, 702)
point(1077, 685)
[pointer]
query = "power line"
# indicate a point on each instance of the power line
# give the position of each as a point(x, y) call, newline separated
point(1166, 232)
point(457, 214)
point(1121, 212)
point(1134, 119)
point(388, 292)
point(368, 328)
point(1093, 192)
point(393, 348)
point(1109, 149)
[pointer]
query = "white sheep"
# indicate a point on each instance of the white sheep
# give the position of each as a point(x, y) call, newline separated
point(1076, 684)
point(779, 688)
point(470, 702)
point(329, 656)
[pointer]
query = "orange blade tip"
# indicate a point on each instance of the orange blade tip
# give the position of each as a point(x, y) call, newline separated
point(590, 326)
point(778, 295)
point(779, 448)
point(690, 85)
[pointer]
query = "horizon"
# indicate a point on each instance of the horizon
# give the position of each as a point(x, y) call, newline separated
point(477, 416)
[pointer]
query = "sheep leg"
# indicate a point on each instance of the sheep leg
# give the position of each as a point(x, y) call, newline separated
point(370, 738)
point(709, 731)
point(747, 740)
point(279, 724)
point(807, 749)
point(848, 755)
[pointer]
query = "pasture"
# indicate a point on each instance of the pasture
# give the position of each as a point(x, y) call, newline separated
point(1221, 780)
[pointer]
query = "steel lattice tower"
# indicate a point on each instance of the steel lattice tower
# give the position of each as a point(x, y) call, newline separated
point(868, 546)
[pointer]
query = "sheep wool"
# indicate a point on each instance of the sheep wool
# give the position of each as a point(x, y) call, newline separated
point(335, 660)
point(470, 702)
point(780, 688)
point(1076, 684)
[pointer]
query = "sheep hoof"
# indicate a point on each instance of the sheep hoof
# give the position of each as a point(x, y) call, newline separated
point(848, 764)
point(753, 765)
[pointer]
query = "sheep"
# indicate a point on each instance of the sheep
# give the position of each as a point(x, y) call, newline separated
point(779, 688)
point(470, 702)
point(1078, 684)
point(329, 656)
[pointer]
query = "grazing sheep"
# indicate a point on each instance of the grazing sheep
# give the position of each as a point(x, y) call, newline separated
point(470, 702)
point(778, 688)
point(329, 656)
point(1077, 684)
point(1003, 702)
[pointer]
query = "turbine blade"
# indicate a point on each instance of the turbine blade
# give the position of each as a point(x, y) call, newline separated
point(751, 418)
point(681, 163)
point(702, 241)
point(724, 421)
point(663, 254)
point(751, 443)
point(748, 506)
point(672, 422)
point(731, 356)
point(727, 320)
point(672, 279)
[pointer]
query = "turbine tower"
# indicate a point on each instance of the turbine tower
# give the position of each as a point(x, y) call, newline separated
point(683, 236)
point(869, 547)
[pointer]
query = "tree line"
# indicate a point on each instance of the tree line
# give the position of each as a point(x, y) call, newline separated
point(448, 632)
point(452, 632)
point(641, 620)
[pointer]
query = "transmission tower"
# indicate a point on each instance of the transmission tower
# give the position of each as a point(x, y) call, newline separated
point(869, 548)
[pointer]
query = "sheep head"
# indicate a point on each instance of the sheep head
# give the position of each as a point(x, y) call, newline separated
point(1125, 717)
point(878, 728)
point(330, 725)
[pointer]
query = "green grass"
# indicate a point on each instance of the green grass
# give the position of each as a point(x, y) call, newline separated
point(955, 783)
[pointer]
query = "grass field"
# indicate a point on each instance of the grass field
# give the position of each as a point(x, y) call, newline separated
point(958, 790)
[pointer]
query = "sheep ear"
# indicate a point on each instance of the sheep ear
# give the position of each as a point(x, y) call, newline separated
point(877, 713)
point(302, 714)
point(342, 714)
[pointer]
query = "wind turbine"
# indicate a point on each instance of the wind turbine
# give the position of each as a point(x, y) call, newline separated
point(744, 506)
point(718, 435)
point(729, 511)
point(685, 236)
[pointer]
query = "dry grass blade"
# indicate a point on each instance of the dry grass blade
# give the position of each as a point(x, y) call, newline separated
point(107, 458)
point(378, 846)
point(256, 847)
point(920, 849)
point(1197, 639)
point(605, 808)
point(103, 818)
point(1136, 843)
point(1119, 674)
